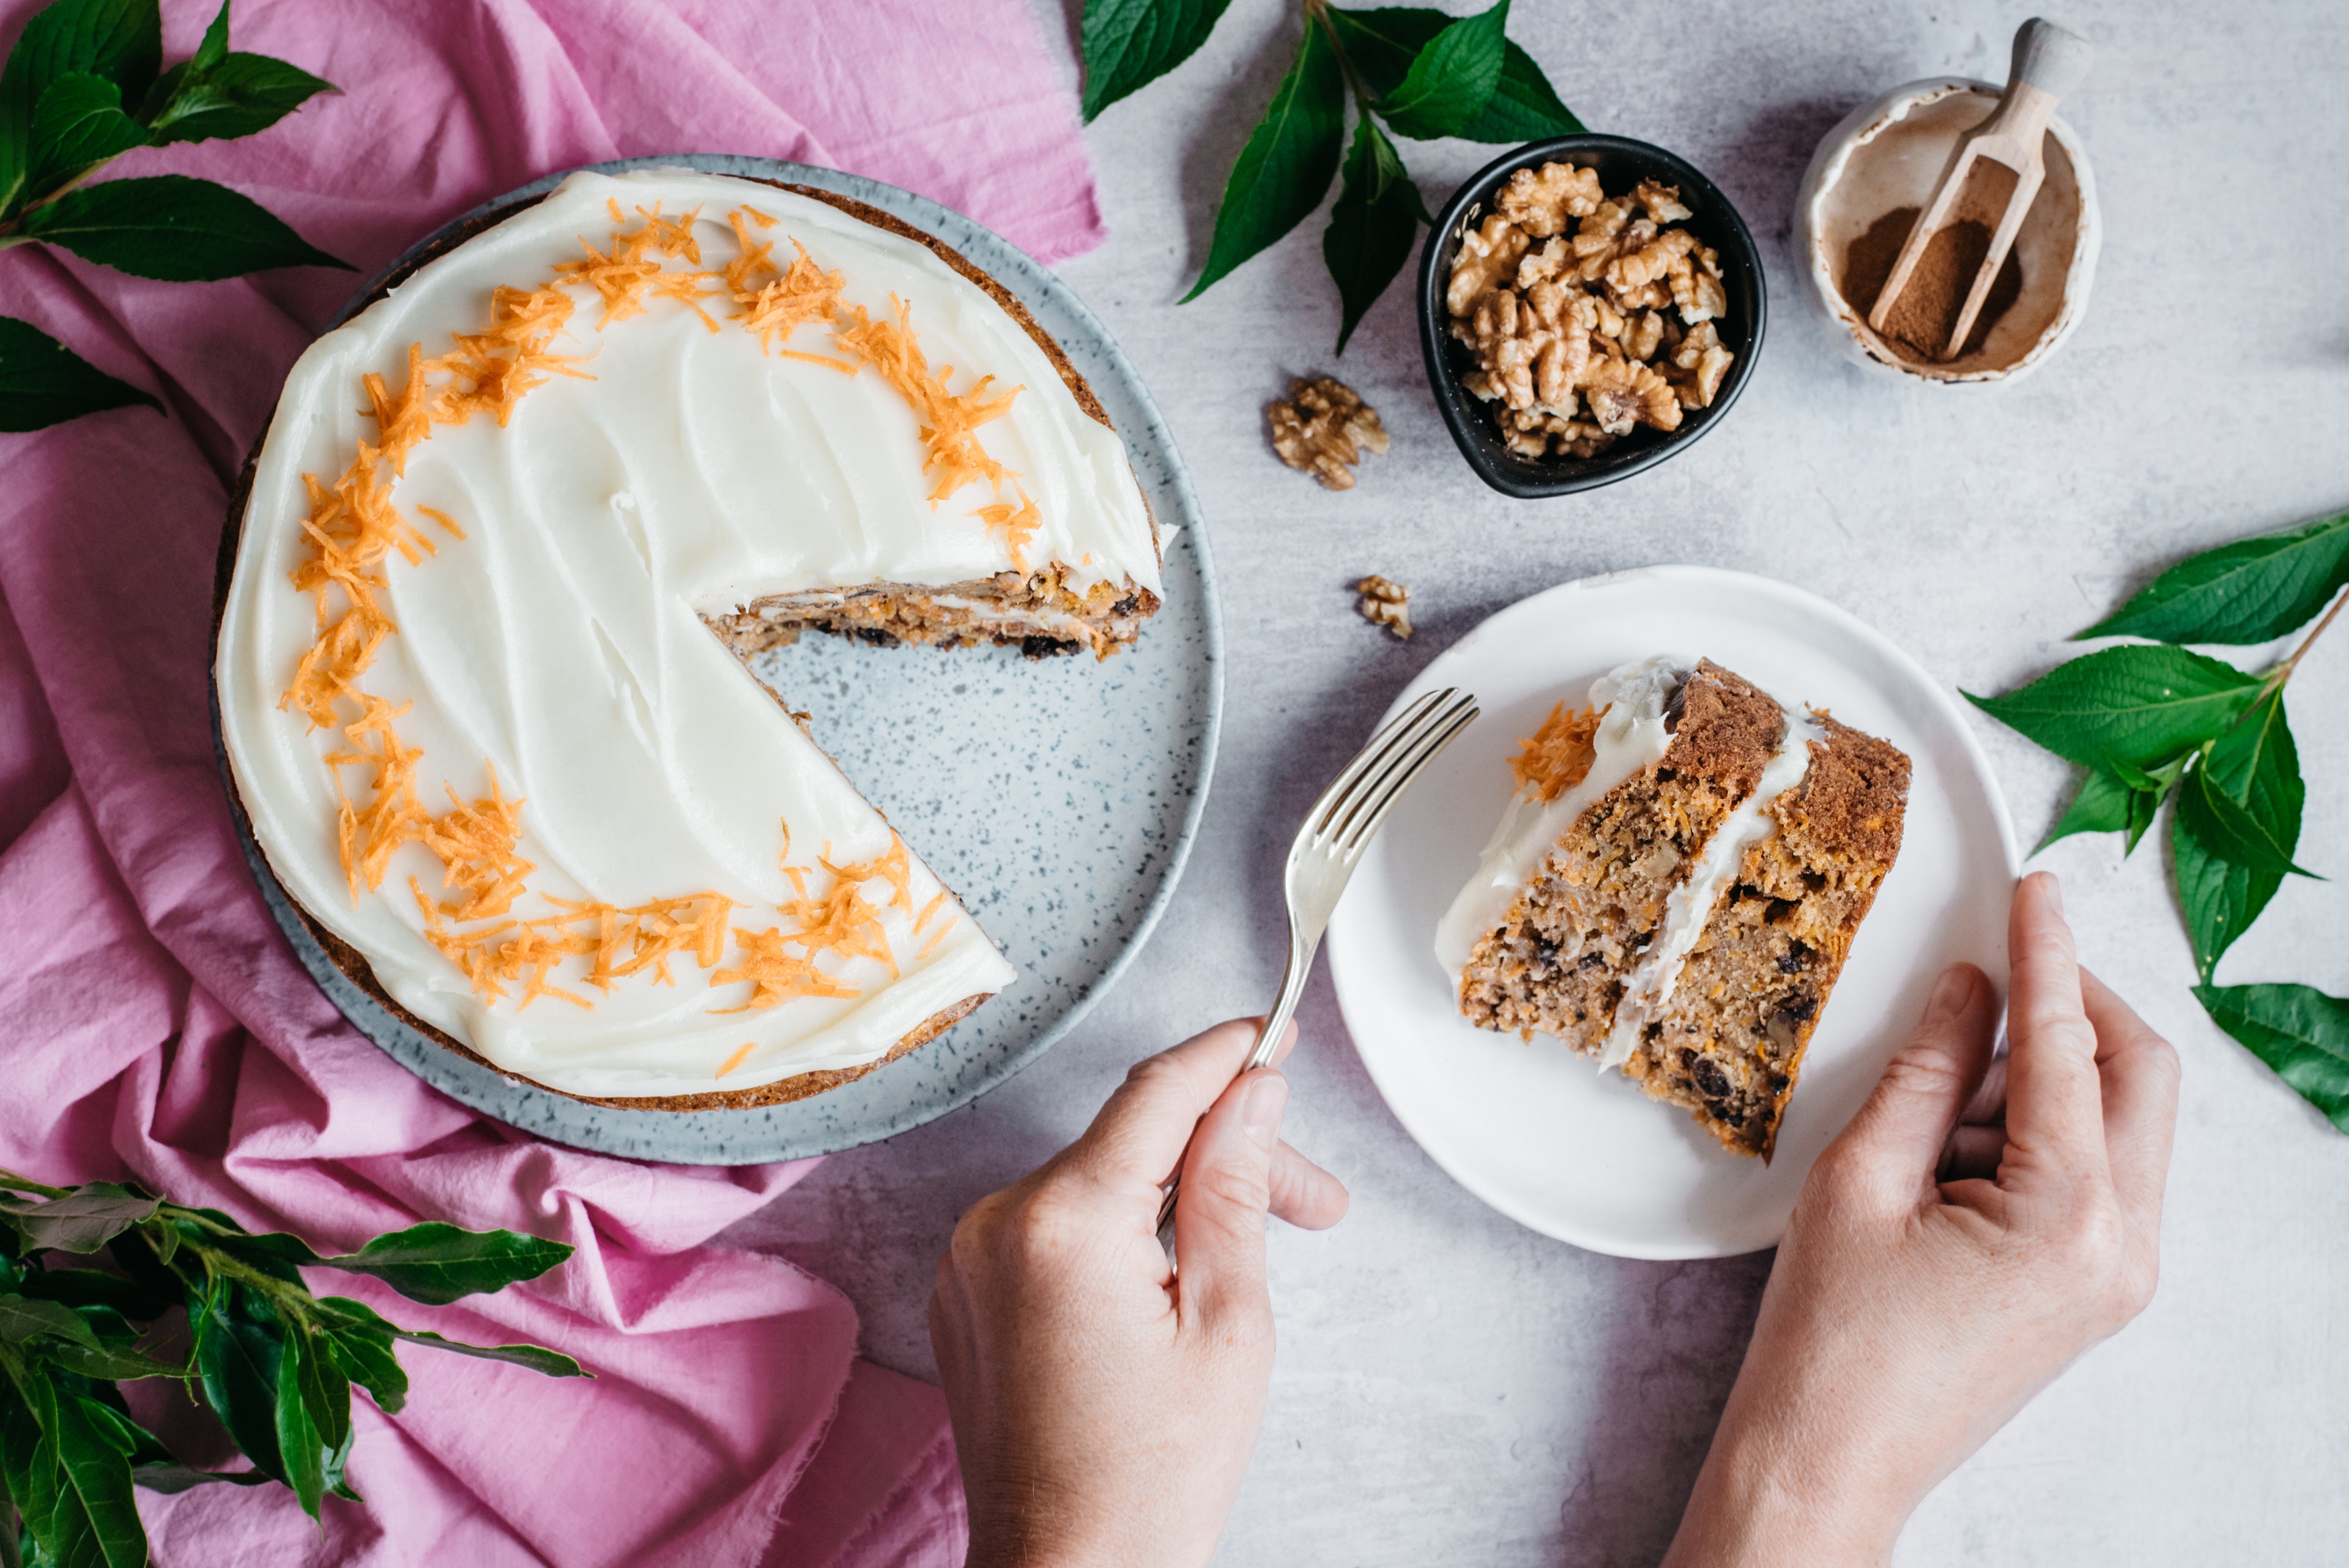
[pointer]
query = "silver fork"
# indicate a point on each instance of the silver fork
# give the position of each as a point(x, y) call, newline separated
point(1330, 845)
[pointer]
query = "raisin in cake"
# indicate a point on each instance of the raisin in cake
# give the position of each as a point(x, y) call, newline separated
point(511, 526)
point(1675, 884)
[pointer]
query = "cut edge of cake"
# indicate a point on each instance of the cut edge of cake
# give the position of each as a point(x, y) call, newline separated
point(1690, 922)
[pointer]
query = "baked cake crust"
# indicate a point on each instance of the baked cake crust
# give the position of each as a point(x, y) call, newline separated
point(742, 638)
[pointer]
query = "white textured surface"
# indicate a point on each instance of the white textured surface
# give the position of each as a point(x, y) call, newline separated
point(1452, 1387)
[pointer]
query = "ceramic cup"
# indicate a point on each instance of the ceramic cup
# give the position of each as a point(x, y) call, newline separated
point(1886, 154)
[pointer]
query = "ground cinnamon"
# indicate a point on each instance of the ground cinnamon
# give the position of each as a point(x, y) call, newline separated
point(1921, 320)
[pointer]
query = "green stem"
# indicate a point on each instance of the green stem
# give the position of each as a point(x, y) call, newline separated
point(11, 231)
point(1317, 14)
point(2283, 672)
point(14, 1182)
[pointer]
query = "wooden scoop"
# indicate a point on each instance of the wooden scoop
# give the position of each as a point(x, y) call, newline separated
point(2048, 63)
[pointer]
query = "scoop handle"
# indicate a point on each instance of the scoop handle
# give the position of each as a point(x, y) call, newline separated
point(2049, 57)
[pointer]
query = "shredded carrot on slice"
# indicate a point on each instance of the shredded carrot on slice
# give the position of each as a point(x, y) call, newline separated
point(936, 936)
point(1017, 526)
point(443, 519)
point(1556, 757)
point(736, 1060)
point(929, 909)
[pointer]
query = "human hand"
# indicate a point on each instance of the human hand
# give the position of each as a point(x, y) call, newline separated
point(1104, 1406)
point(1941, 1268)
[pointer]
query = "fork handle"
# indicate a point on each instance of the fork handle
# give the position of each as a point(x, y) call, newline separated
point(1301, 948)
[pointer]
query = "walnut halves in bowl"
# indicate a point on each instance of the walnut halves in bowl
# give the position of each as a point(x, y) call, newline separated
point(1586, 315)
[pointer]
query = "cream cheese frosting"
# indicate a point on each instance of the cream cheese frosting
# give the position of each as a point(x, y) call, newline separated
point(1648, 988)
point(1631, 737)
point(555, 654)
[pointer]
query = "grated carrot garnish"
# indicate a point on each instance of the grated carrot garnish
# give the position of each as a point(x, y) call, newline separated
point(1556, 757)
point(1016, 525)
point(443, 519)
point(775, 976)
point(929, 909)
point(736, 1060)
point(936, 936)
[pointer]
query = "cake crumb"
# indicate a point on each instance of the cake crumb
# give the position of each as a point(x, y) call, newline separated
point(1385, 603)
point(1323, 428)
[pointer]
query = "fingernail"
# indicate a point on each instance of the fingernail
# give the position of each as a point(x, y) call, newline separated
point(1261, 1104)
point(1951, 994)
point(2054, 890)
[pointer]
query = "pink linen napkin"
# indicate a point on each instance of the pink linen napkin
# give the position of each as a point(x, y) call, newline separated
point(153, 1024)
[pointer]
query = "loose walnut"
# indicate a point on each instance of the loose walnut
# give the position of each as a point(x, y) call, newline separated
point(1587, 315)
point(1323, 429)
point(1385, 603)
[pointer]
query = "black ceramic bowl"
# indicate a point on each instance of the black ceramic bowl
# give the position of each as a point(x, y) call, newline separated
point(1621, 163)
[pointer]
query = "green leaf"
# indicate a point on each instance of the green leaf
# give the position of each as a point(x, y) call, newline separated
point(83, 1220)
point(119, 40)
point(1372, 226)
point(112, 1364)
point(178, 1478)
point(439, 1264)
point(79, 125)
point(2102, 806)
point(2253, 590)
point(1525, 106)
point(2126, 707)
point(2258, 767)
point(217, 94)
point(1129, 44)
point(1452, 78)
point(1382, 43)
point(363, 1351)
point(299, 1442)
point(97, 1516)
point(2230, 831)
point(171, 227)
point(2297, 1030)
point(537, 1357)
point(239, 1346)
point(1288, 164)
point(90, 1287)
point(43, 382)
point(22, 1317)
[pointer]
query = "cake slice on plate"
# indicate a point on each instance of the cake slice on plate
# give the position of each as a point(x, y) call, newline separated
point(1675, 884)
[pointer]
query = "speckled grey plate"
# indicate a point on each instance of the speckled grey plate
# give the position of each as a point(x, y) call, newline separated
point(1059, 797)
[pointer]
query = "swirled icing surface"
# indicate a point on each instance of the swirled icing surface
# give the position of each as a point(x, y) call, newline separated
point(559, 640)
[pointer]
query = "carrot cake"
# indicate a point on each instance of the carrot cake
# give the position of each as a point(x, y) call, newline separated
point(507, 534)
point(1674, 884)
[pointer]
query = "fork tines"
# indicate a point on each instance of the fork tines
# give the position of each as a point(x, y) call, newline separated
point(1353, 807)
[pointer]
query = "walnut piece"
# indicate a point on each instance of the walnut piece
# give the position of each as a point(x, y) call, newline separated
point(1385, 603)
point(1323, 429)
point(1587, 315)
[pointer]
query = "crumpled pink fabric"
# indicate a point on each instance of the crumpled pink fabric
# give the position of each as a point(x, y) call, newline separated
point(153, 1024)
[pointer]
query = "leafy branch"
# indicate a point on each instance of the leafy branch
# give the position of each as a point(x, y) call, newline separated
point(2152, 722)
point(274, 1362)
point(1423, 73)
point(84, 85)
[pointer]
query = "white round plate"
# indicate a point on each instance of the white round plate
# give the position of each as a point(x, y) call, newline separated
point(1541, 1133)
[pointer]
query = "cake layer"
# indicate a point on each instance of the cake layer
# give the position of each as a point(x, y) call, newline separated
point(1679, 907)
point(739, 396)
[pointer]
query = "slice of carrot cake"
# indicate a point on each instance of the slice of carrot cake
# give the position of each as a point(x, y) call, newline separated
point(1676, 883)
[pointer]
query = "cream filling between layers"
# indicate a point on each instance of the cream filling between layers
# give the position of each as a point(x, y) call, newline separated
point(1648, 988)
point(1631, 739)
point(560, 639)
